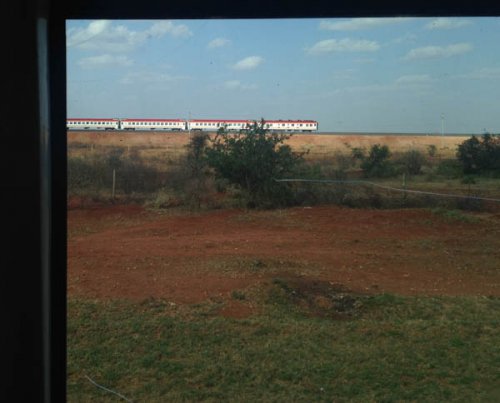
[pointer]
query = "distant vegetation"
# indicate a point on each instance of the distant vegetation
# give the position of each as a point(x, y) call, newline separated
point(241, 170)
point(480, 155)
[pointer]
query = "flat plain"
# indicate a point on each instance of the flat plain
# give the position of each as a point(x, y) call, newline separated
point(320, 303)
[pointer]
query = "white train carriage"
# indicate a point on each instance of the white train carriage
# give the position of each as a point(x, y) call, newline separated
point(92, 124)
point(215, 124)
point(192, 124)
point(153, 124)
point(292, 125)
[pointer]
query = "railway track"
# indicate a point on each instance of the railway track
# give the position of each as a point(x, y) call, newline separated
point(293, 133)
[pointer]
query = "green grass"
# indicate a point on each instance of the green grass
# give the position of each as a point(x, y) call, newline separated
point(393, 349)
point(454, 215)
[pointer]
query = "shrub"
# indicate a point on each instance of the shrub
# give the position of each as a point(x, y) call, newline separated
point(162, 200)
point(412, 162)
point(252, 161)
point(431, 150)
point(479, 156)
point(450, 169)
point(377, 163)
point(358, 153)
point(196, 186)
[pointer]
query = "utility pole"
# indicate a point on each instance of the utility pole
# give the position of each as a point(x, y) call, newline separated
point(442, 129)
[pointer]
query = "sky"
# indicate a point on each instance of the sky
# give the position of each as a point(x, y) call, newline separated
point(402, 75)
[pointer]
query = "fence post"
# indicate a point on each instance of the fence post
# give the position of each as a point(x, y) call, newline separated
point(404, 188)
point(114, 182)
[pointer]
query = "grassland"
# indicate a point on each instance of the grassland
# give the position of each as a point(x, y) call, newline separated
point(390, 349)
point(172, 145)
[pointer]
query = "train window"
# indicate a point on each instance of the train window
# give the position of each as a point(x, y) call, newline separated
point(370, 75)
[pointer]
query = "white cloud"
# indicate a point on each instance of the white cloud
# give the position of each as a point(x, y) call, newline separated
point(406, 38)
point(105, 36)
point(104, 61)
point(79, 36)
point(146, 77)
point(414, 79)
point(447, 23)
point(343, 74)
point(248, 63)
point(356, 24)
point(218, 43)
point(237, 85)
point(432, 52)
point(483, 73)
point(160, 28)
point(344, 45)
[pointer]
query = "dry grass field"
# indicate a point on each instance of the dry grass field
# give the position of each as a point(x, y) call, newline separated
point(317, 145)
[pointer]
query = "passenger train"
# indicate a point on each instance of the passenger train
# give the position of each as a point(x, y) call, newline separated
point(187, 125)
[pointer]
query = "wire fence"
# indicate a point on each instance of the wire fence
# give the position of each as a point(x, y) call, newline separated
point(381, 195)
point(378, 185)
point(130, 178)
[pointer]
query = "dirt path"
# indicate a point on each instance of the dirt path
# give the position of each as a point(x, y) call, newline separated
point(127, 252)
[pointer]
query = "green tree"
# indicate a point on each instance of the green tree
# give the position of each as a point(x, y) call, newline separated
point(480, 155)
point(468, 154)
point(252, 161)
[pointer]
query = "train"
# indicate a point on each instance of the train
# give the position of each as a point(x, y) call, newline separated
point(187, 124)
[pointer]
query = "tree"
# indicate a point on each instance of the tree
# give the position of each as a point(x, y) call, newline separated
point(468, 154)
point(480, 155)
point(252, 160)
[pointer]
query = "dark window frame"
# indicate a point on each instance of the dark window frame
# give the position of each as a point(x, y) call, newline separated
point(34, 283)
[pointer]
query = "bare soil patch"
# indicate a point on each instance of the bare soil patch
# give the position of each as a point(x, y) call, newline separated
point(128, 252)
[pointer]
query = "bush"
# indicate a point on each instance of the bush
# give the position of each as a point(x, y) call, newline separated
point(377, 163)
point(431, 150)
point(450, 169)
point(253, 161)
point(479, 156)
point(163, 199)
point(412, 162)
point(197, 184)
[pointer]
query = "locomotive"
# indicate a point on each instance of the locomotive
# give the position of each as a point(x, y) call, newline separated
point(187, 124)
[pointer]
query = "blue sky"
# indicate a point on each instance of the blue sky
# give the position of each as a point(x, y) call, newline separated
point(365, 74)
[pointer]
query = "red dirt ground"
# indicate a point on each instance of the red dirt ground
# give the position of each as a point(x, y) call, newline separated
point(128, 252)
